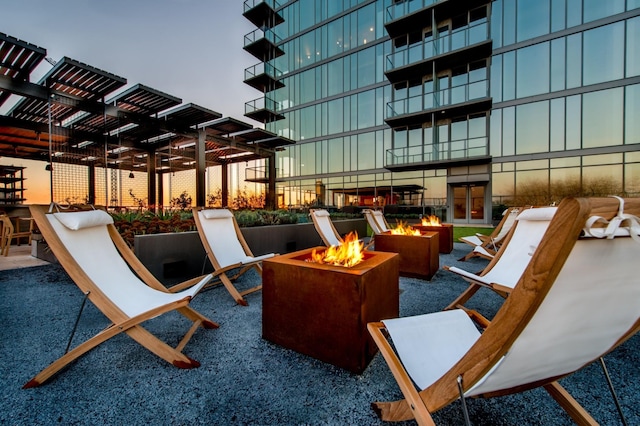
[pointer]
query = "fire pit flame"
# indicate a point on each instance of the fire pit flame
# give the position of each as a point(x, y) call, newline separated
point(347, 254)
point(402, 228)
point(431, 221)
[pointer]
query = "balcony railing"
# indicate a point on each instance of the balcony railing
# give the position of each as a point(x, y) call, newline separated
point(263, 103)
point(458, 39)
point(443, 151)
point(399, 10)
point(250, 4)
point(262, 68)
point(438, 99)
point(259, 34)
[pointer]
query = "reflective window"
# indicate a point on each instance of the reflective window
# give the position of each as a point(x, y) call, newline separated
point(532, 70)
point(509, 22)
point(496, 78)
point(496, 27)
point(508, 131)
point(572, 122)
point(496, 133)
point(574, 60)
point(336, 156)
point(596, 9)
point(532, 128)
point(366, 67)
point(633, 4)
point(632, 112)
point(532, 19)
point(366, 151)
point(508, 75)
point(633, 47)
point(632, 179)
point(556, 125)
point(558, 68)
point(558, 15)
point(602, 118)
point(574, 13)
point(603, 58)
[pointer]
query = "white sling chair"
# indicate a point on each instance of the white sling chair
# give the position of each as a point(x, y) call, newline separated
point(101, 264)
point(577, 300)
point(486, 246)
point(326, 230)
point(376, 220)
point(506, 268)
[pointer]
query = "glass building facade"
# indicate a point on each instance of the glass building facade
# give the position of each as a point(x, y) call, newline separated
point(449, 106)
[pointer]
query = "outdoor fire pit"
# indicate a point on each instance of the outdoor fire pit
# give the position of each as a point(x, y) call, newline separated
point(419, 255)
point(322, 310)
point(444, 230)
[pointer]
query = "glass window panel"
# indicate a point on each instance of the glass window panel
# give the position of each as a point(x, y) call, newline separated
point(532, 128)
point(574, 13)
point(496, 78)
point(632, 179)
point(565, 182)
point(558, 64)
point(502, 186)
point(366, 151)
point(599, 160)
point(532, 19)
point(572, 122)
point(366, 65)
point(496, 133)
point(366, 30)
point(602, 118)
point(335, 113)
point(633, 47)
point(366, 109)
point(459, 130)
point(334, 34)
point(336, 151)
point(574, 61)
point(603, 54)
point(532, 71)
point(509, 22)
point(632, 112)
point(558, 15)
point(532, 165)
point(602, 180)
point(556, 126)
point(307, 159)
point(557, 163)
point(478, 127)
point(633, 4)
point(496, 28)
point(508, 131)
point(596, 9)
point(508, 75)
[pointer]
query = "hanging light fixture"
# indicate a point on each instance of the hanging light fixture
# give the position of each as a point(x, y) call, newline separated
point(133, 156)
point(48, 167)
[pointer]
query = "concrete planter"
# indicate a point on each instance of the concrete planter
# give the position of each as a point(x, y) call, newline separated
point(175, 257)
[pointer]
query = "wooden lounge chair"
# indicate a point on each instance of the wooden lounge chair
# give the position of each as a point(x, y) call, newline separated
point(577, 300)
point(322, 222)
point(101, 264)
point(9, 233)
point(486, 246)
point(227, 249)
point(506, 268)
point(377, 221)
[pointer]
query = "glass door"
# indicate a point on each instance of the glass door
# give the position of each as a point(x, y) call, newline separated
point(468, 204)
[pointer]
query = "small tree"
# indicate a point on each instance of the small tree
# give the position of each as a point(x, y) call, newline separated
point(182, 201)
point(140, 203)
point(215, 199)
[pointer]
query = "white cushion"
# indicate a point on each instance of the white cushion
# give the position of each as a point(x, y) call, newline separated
point(216, 213)
point(321, 213)
point(85, 219)
point(538, 213)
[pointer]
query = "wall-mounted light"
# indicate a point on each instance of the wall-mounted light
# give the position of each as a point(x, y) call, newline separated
point(131, 176)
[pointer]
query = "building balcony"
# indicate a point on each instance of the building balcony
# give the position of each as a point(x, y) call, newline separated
point(264, 77)
point(262, 13)
point(465, 45)
point(451, 102)
point(263, 109)
point(263, 44)
point(443, 154)
point(412, 14)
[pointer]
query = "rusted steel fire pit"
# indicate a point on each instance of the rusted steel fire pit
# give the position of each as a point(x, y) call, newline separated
point(419, 256)
point(445, 235)
point(322, 310)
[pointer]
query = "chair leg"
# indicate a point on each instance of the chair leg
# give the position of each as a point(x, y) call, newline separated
point(463, 401)
point(570, 405)
point(464, 297)
point(613, 391)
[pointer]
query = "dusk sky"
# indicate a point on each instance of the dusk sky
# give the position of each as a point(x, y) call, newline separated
point(191, 49)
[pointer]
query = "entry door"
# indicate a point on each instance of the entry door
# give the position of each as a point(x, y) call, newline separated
point(468, 204)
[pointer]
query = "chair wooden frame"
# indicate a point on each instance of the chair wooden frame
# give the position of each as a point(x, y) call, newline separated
point(536, 327)
point(377, 221)
point(507, 266)
point(9, 233)
point(124, 261)
point(227, 250)
point(486, 246)
point(322, 222)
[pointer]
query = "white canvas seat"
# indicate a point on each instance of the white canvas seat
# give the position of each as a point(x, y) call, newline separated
point(322, 222)
point(94, 255)
point(227, 249)
point(376, 220)
point(486, 246)
point(506, 268)
point(577, 300)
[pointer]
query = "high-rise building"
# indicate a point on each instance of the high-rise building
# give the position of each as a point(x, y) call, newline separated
point(449, 106)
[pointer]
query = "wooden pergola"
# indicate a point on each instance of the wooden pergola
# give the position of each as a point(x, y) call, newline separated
point(70, 116)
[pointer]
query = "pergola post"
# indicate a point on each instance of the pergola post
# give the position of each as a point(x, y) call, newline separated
point(225, 184)
point(91, 196)
point(151, 181)
point(270, 198)
point(201, 167)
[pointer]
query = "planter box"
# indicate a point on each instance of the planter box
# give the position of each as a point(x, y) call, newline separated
point(445, 235)
point(176, 257)
point(419, 255)
point(322, 310)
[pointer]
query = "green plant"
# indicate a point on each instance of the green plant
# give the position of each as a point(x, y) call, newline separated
point(182, 201)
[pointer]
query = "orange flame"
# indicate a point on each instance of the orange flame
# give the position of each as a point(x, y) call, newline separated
point(347, 254)
point(431, 221)
point(403, 229)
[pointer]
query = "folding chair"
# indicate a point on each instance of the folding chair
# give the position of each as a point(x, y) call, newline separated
point(227, 249)
point(486, 246)
point(506, 268)
point(577, 300)
point(98, 260)
point(9, 233)
point(324, 226)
